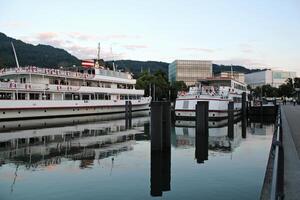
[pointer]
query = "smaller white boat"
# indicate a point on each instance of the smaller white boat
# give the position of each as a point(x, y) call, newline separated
point(217, 91)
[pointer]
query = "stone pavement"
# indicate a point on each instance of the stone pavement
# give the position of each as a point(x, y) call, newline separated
point(291, 144)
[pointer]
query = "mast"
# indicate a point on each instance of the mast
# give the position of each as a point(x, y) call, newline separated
point(15, 54)
point(113, 60)
point(96, 65)
point(98, 53)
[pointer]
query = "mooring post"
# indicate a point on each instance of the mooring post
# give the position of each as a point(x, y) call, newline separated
point(201, 144)
point(156, 126)
point(244, 104)
point(230, 119)
point(166, 126)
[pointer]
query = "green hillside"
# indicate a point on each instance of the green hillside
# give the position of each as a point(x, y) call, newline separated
point(28, 54)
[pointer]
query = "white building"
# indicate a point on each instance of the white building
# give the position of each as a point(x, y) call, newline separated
point(272, 77)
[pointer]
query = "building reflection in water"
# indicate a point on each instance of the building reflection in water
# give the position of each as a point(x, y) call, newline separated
point(160, 173)
point(85, 142)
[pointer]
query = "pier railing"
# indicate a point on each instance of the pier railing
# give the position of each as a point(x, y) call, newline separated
point(277, 192)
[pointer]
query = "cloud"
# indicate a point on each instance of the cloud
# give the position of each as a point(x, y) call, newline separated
point(246, 48)
point(15, 24)
point(197, 49)
point(135, 47)
point(73, 46)
point(84, 36)
point(46, 35)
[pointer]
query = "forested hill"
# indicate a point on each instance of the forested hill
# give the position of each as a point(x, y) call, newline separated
point(28, 54)
point(137, 67)
point(48, 56)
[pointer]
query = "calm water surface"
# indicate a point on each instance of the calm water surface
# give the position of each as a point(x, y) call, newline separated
point(83, 158)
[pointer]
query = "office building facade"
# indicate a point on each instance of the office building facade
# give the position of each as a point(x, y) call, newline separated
point(268, 77)
point(189, 71)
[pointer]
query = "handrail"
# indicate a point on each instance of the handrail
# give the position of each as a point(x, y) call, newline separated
point(277, 173)
point(59, 72)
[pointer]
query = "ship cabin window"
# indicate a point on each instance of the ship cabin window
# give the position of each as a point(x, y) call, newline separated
point(21, 96)
point(23, 80)
point(46, 96)
point(85, 97)
point(68, 96)
point(5, 95)
point(107, 97)
point(91, 71)
point(237, 99)
point(238, 86)
point(100, 96)
point(107, 85)
point(76, 97)
point(34, 96)
point(93, 97)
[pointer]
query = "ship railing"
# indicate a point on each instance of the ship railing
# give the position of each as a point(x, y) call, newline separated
point(37, 87)
point(47, 71)
point(64, 73)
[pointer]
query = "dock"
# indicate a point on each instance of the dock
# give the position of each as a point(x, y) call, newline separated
point(291, 145)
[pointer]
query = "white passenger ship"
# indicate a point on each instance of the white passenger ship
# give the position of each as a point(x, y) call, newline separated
point(32, 92)
point(218, 91)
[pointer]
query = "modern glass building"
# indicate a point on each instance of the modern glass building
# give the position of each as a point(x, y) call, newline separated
point(189, 71)
point(268, 77)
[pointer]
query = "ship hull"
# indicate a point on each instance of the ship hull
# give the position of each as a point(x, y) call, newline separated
point(33, 109)
point(218, 108)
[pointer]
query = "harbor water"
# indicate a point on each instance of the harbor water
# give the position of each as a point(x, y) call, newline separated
point(100, 157)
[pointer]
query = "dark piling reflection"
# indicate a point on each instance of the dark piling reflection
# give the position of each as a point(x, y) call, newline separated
point(201, 143)
point(160, 173)
point(160, 148)
point(244, 127)
point(230, 120)
point(128, 114)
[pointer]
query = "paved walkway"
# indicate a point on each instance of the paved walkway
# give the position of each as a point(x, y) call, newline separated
point(291, 145)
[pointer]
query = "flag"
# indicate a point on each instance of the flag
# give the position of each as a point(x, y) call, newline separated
point(87, 63)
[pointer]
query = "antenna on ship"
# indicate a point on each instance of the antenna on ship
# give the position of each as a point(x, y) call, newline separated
point(98, 53)
point(98, 57)
point(16, 58)
point(113, 60)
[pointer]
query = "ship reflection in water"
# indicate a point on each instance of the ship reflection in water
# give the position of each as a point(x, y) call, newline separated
point(101, 157)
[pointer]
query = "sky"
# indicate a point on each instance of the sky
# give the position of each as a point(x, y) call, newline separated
point(253, 33)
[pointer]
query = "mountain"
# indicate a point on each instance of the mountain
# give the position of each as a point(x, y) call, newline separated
point(237, 68)
point(38, 55)
point(48, 56)
point(136, 67)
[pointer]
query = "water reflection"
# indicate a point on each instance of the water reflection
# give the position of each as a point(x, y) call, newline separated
point(218, 138)
point(110, 161)
point(85, 142)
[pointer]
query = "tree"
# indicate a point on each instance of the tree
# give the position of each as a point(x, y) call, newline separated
point(157, 83)
point(176, 87)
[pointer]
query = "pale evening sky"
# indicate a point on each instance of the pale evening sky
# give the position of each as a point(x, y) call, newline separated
point(260, 33)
